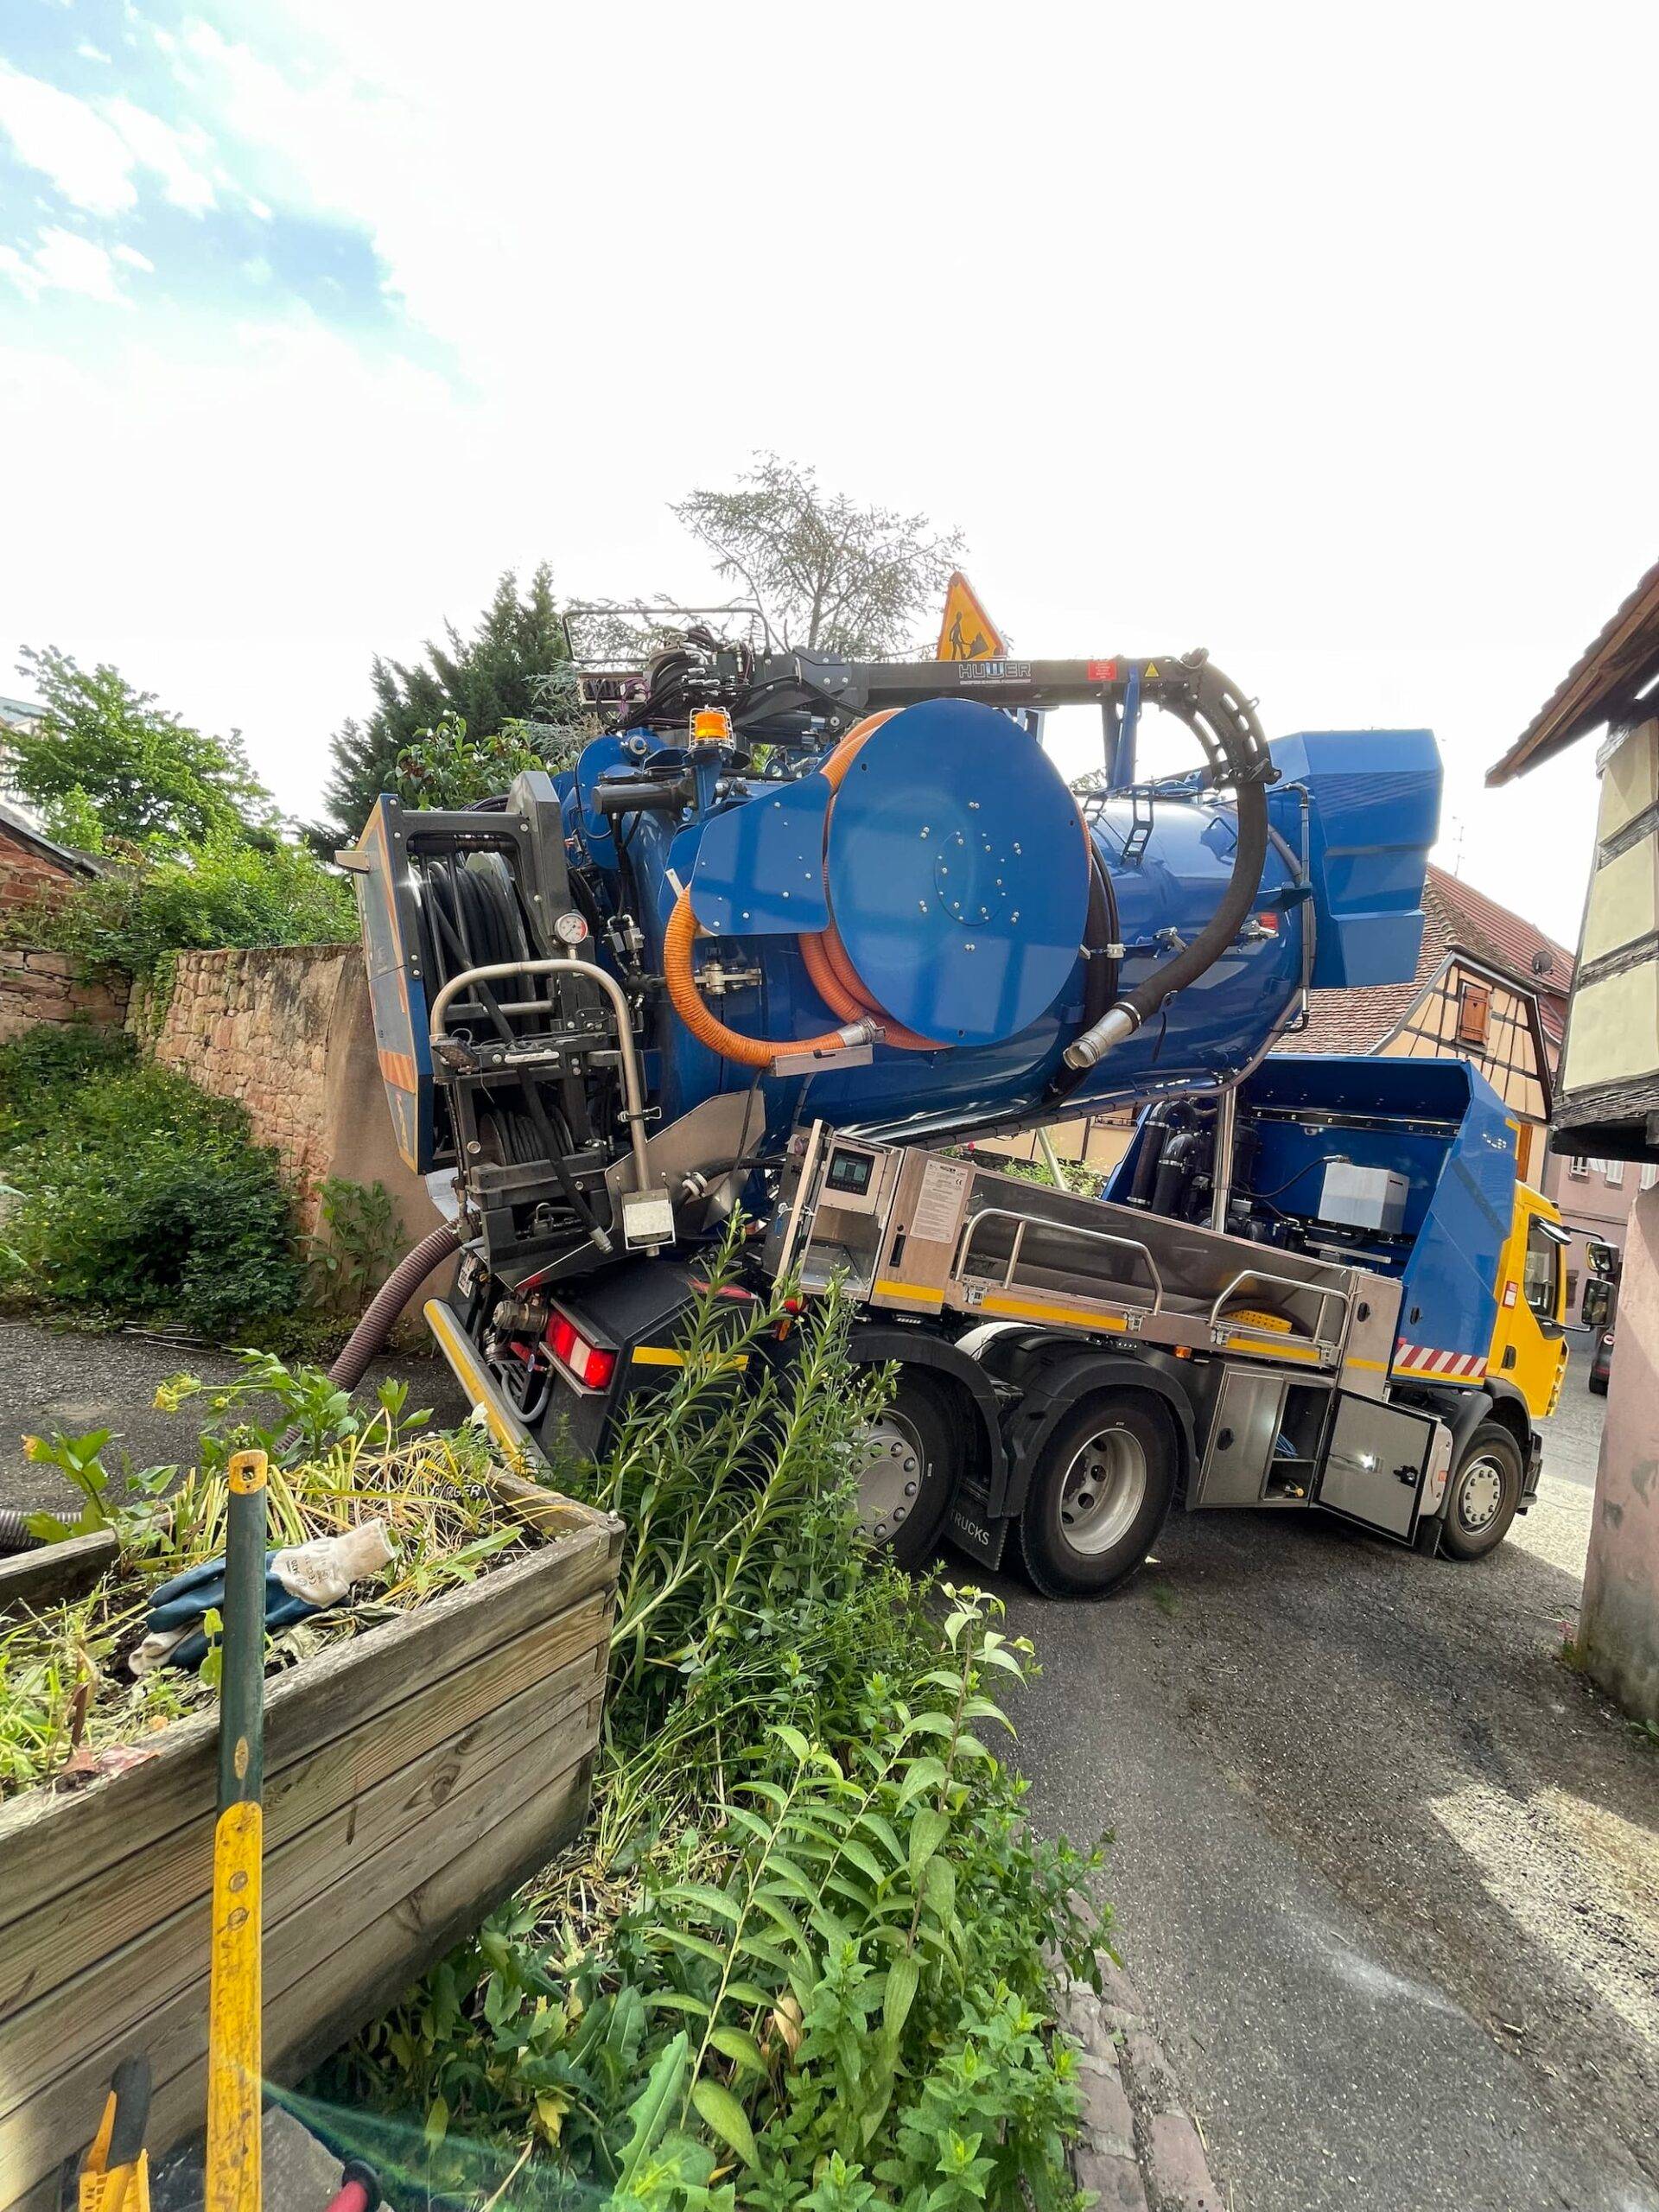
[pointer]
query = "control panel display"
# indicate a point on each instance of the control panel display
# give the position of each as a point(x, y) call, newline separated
point(850, 1172)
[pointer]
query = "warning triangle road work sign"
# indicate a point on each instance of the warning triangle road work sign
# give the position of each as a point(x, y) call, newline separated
point(967, 632)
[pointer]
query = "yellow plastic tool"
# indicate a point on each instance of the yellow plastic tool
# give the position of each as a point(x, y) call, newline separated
point(234, 2085)
point(116, 2176)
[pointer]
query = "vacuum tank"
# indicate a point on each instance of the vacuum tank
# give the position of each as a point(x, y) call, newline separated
point(862, 893)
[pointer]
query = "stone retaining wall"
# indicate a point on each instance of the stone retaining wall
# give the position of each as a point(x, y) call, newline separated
point(286, 1031)
point(253, 1025)
point(42, 987)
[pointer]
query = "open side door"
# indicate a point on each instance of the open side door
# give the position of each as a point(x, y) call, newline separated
point(1382, 1465)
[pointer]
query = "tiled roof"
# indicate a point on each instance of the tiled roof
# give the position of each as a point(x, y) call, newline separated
point(1509, 942)
point(13, 824)
point(1455, 917)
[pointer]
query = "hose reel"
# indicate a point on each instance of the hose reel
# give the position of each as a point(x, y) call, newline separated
point(935, 875)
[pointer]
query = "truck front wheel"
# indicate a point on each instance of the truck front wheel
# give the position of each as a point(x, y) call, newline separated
point(1482, 1493)
point(906, 1466)
point(1100, 1491)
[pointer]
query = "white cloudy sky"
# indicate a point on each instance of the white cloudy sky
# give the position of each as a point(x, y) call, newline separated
point(1321, 336)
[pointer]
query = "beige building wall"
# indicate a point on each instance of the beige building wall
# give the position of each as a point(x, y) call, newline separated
point(1618, 1625)
point(1612, 1037)
point(1097, 1140)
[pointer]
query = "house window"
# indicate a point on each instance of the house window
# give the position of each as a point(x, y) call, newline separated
point(1578, 1167)
point(1649, 1175)
point(1572, 1287)
point(1614, 1172)
point(1474, 1015)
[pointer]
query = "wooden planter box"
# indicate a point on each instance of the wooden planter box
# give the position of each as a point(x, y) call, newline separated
point(415, 1775)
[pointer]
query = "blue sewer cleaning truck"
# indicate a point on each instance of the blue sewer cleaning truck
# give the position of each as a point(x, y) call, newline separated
point(794, 931)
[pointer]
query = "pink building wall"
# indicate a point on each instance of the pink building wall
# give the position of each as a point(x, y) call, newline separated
point(1592, 1206)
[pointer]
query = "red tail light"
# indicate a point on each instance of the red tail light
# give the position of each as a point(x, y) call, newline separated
point(591, 1364)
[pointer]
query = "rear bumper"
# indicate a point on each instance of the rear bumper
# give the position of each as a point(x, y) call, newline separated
point(477, 1382)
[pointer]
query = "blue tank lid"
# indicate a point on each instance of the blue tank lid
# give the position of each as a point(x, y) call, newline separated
point(959, 872)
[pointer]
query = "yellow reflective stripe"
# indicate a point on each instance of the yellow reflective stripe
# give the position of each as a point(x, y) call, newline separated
point(234, 2087)
point(665, 1356)
point(1267, 1348)
point(1028, 1309)
point(472, 1377)
point(889, 1287)
point(1377, 1366)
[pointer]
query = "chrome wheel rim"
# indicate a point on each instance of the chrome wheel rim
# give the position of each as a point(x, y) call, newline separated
point(1480, 1494)
point(1104, 1490)
point(889, 1476)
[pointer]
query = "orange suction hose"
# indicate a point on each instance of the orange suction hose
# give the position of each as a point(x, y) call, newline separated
point(687, 1002)
point(831, 973)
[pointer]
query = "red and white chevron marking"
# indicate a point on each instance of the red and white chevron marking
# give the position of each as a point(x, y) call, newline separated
point(1423, 1359)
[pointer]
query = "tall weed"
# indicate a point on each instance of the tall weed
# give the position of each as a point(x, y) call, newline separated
point(799, 1958)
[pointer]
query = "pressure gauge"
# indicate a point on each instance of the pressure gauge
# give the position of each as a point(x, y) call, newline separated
point(570, 929)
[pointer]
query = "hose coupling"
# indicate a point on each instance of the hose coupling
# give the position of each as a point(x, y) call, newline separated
point(1115, 1025)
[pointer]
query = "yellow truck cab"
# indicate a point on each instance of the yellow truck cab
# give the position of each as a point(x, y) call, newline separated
point(1529, 1338)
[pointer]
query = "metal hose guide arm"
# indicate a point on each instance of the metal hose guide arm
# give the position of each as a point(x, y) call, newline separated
point(634, 1091)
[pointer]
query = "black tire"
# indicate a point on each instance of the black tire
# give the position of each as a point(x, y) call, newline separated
point(910, 1470)
point(1129, 1497)
point(1482, 1493)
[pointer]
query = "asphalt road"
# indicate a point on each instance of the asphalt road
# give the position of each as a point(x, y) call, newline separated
point(1386, 1873)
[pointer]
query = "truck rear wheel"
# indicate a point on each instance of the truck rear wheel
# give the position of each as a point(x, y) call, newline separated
point(1100, 1491)
point(906, 1470)
point(1482, 1493)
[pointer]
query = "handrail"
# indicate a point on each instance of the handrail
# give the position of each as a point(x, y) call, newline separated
point(1061, 1228)
point(566, 964)
point(1284, 1282)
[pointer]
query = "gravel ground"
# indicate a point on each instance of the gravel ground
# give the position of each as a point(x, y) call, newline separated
point(61, 1378)
point(1387, 1873)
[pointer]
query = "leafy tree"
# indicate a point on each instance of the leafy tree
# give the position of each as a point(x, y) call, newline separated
point(444, 767)
point(514, 667)
point(104, 758)
point(829, 575)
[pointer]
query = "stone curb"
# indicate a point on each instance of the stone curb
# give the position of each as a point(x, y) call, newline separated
point(1139, 2149)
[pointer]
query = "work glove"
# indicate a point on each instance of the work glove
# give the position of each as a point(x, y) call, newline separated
point(300, 1579)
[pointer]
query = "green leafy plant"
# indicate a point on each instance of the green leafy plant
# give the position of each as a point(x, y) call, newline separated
point(357, 1245)
point(80, 1460)
point(138, 918)
point(141, 1197)
point(513, 666)
point(443, 766)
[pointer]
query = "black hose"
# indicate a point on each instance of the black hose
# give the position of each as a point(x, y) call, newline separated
point(400, 1286)
point(1224, 925)
point(1154, 1135)
point(1237, 751)
point(14, 1529)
